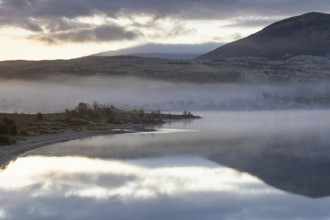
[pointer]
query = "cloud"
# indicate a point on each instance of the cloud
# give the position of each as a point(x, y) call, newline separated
point(49, 18)
point(252, 21)
point(98, 34)
point(158, 8)
point(64, 24)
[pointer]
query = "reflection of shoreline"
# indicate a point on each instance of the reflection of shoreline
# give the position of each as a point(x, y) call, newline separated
point(11, 152)
point(305, 176)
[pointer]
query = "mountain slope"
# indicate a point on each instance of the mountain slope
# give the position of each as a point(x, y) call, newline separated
point(164, 51)
point(307, 34)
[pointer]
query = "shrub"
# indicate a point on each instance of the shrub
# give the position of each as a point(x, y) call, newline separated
point(8, 126)
point(24, 133)
point(111, 119)
point(13, 129)
point(6, 140)
point(4, 130)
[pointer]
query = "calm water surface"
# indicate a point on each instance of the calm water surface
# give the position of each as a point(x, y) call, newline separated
point(228, 165)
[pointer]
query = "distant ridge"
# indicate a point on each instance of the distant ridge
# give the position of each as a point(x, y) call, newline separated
point(307, 34)
point(163, 51)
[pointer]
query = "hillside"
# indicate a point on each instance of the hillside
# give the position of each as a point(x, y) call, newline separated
point(233, 70)
point(307, 34)
point(120, 66)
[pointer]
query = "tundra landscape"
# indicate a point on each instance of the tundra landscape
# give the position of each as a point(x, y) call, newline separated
point(235, 130)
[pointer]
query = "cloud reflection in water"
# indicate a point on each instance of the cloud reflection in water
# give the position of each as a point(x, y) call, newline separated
point(180, 187)
point(132, 179)
point(92, 183)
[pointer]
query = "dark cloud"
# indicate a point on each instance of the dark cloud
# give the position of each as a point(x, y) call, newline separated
point(27, 23)
point(51, 16)
point(30, 25)
point(63, 24)
point(184, 8)
point(99, 34)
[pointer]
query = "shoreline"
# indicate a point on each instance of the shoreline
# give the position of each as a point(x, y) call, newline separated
point(37, 130)
point(9, 153)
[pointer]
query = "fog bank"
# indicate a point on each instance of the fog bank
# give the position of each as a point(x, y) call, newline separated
point(54, 96)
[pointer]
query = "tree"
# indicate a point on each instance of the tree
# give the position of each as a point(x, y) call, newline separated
point(39, 116)
point(82, 108)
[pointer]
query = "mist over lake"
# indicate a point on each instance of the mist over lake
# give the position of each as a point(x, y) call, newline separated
point(128, 92)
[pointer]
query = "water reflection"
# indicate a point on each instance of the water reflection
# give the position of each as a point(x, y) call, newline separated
point(183, 169)
point(288, 150)
point(144, 178)
point(179, 187)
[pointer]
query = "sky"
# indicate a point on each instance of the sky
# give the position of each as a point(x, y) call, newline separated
point(62, 29)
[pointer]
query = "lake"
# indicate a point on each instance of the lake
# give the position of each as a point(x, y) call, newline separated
point(227, 165)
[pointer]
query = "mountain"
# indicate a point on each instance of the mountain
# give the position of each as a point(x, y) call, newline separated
point(164, 51)
point(292, 50)
point(307, 34)
point(171, 56)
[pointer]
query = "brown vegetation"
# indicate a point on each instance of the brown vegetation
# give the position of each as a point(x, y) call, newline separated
point(84, 117)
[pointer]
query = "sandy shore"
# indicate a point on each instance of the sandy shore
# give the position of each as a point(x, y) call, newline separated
point(11, 152)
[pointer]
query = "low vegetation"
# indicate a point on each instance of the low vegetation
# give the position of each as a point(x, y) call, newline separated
point(8, 129)
point(84, 117)
point(84, 113)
